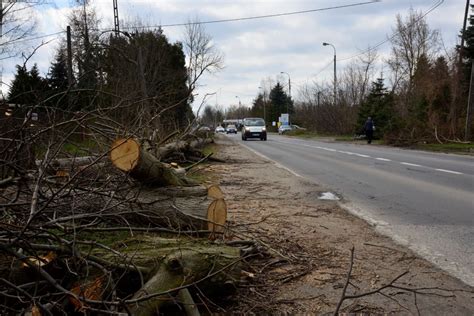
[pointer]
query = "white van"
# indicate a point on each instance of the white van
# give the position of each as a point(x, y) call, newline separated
point(254, 127)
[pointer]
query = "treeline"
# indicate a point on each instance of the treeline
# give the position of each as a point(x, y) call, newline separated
point(140, 77)
point(420, 96)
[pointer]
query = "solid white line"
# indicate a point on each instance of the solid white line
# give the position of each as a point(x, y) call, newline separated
point(449, 171)
point(265, 157)
point(383, 159)
point(410, 164)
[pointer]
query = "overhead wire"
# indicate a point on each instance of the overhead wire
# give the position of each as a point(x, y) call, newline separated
point(431, 9)
point(262, 16)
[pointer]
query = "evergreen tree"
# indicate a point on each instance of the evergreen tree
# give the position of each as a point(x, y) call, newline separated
point(279, 101)
point(422, 90)
point(442, 90)
point(28, 87)
point(57, 76)
point(58, 80)
point(379, 106)
point(145, 66)
point(257, 106)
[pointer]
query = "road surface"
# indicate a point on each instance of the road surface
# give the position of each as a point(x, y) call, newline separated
point(420, 199)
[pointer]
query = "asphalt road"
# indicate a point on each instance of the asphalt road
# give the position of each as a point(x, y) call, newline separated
point(420, 199)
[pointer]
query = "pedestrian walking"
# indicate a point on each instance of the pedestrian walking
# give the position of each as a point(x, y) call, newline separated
point(369, 128)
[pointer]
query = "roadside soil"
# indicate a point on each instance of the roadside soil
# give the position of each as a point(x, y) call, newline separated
point(305, 249)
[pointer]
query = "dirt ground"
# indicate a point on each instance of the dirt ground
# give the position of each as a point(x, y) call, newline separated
point(306, 250)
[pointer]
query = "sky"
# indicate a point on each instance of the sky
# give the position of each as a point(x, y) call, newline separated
point(256, 50)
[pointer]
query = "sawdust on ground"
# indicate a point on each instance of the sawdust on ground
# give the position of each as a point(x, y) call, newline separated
point(308, 245)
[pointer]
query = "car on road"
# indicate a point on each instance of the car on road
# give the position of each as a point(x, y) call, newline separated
point(254, 127)
point(220, 129)
point(285, 128)
point(231, 129)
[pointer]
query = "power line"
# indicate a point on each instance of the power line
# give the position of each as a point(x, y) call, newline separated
point(35, 38)
point(217, 21)
point(261, 16)
point(436, 5)
point(431, 9)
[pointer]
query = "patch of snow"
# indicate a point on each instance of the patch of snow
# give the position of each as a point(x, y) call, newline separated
point(328, 196)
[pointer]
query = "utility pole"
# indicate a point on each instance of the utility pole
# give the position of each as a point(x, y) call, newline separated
point(69, 65)
point(289, 94)
point(116, 18)
point(264, 104)
point(69, 57)
point(1, 43)
point(467, 131)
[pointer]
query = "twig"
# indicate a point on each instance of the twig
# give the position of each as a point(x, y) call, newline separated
point(348, 278)
point(198, 162)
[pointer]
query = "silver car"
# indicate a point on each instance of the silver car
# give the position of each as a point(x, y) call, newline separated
point(254, 127)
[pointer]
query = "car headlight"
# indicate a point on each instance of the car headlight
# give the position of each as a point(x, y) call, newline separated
point(247, 129)
point(264, 129)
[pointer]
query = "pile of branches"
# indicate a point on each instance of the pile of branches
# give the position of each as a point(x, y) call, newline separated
point(80, 235)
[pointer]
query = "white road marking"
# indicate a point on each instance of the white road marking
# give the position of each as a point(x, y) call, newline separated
point(449, 171)
point(276, 163)
point(410, 164)
point(359, 155)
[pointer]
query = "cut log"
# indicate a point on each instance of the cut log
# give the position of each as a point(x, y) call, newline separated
point(175, 208)
point(217, 215)
point(180, 146)
point(181, 263)
point(215, 192)
point(127, 156)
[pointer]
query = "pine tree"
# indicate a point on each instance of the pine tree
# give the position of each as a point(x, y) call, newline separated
point(279, 103)
point(379, 106)
point(28, 87)
point(57, 76)
point(58, 80)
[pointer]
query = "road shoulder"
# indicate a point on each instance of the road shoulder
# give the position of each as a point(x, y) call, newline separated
point(309, 243)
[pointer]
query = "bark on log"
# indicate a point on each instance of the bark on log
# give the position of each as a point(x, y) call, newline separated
point(181, 263)
point(180, 146)
point(128, 156)
point(177, 210)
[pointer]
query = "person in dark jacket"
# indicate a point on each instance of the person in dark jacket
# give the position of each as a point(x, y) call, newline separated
point(369, 129)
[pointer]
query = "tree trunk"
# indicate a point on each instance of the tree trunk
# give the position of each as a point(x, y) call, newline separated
point(180, 146)
point(128, 156)
point(213, 267)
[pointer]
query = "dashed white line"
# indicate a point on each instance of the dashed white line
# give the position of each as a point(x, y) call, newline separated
point(365, 156)
point(449, 171)
point(410, 164)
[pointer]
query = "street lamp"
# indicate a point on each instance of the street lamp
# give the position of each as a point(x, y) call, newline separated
point(335, 77)
point(264, 101)
point(240, 103)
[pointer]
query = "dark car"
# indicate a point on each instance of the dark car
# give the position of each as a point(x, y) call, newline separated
point(254, 127)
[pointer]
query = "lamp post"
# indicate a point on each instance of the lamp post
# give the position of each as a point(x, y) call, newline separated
point(240, 103)
point(264, 104)
point(289, 94)
point(238, 112)
point(335, 77)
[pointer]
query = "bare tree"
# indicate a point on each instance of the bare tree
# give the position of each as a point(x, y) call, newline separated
point(17, 21)
point(412, 38)
point(203, 57)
